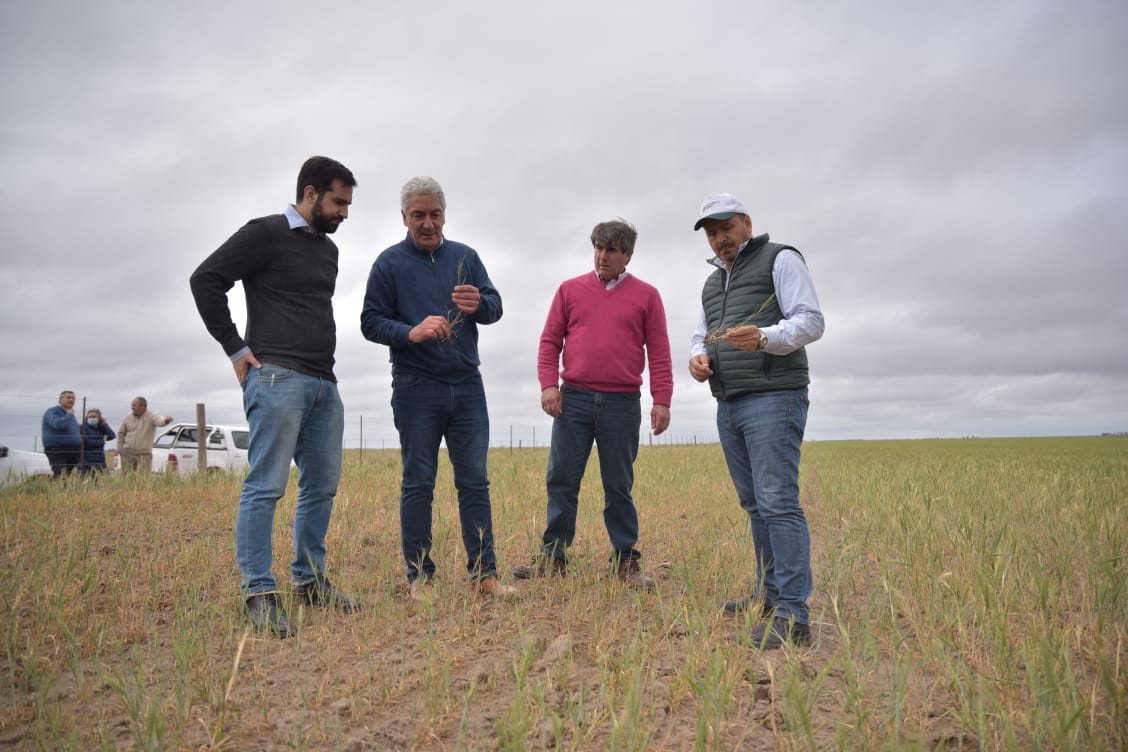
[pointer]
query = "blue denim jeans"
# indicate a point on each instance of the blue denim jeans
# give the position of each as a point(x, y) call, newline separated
point(611, 420)
point(762, 435)
point(426, 412)
point(291, 416)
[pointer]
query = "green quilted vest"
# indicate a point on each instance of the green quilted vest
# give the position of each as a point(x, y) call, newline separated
point(750, 299)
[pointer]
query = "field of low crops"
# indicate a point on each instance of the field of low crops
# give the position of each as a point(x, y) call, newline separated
point(969, 595)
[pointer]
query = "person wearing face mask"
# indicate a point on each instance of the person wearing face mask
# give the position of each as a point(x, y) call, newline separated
point(95, 433)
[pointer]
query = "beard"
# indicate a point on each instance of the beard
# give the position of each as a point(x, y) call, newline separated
point(323, 222)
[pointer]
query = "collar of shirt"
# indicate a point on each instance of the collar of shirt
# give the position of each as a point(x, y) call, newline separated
point(718, 261)
point(442, 242)
point(296, 220)
point(611, 285)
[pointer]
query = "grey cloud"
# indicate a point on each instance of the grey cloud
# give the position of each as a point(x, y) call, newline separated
point(954, 175)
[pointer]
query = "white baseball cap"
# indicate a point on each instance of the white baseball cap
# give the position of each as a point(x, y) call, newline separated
point(719, 206)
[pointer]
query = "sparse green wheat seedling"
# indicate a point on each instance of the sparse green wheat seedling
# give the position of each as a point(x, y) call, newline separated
point(217, 737)
point(515, 726)
point(965, 597)
point(712, 693)
point(437, 700)
point(629, 730)
point(146, 720)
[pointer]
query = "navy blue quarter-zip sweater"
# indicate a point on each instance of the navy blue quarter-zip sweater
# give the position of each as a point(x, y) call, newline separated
point(405, 286)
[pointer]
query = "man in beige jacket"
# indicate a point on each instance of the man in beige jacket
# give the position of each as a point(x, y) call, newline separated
point(135, 436)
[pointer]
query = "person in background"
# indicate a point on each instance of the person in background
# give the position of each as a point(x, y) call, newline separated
point(95, 433)
point(758, 312)
point(425, 299)
point(607, 325)
point(135, 436)
point(61, 439)
point(288, 266)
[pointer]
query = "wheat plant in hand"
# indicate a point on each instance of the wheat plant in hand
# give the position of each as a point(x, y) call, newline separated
point(718, 334)
point(456, 315)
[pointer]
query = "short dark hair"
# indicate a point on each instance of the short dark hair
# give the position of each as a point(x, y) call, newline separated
point(618, 234)
point(320, 172)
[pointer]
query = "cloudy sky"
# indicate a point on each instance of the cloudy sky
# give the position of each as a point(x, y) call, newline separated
point(956, 175)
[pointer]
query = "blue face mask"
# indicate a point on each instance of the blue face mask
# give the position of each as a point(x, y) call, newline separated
point(92, 422)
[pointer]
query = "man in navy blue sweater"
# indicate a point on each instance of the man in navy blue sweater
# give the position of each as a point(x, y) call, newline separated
point(288, 266)
point(61, 439)
point(426, 297)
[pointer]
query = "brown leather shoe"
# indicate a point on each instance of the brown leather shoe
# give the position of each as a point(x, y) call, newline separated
point(630, 572)
point(542, 565)
point(494, 588)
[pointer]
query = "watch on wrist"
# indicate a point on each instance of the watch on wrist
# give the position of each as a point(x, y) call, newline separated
point(763, 341)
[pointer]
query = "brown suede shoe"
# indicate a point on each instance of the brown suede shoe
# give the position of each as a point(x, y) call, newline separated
point(630, 572)
point(494, 588)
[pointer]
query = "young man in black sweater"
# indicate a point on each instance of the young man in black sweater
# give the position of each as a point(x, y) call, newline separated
point(288, 266)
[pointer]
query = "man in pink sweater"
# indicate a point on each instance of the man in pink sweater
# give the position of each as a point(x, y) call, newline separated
point(608, 326)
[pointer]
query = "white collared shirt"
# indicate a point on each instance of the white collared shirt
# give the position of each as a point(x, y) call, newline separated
point(610, 285)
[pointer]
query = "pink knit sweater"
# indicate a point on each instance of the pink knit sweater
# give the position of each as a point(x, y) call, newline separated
point(603, 334)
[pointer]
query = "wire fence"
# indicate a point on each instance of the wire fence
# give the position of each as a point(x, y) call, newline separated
point(20, 427)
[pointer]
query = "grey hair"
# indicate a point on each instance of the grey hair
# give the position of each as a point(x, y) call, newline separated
point(142, 401)
point(618, 234)
point(422, 185)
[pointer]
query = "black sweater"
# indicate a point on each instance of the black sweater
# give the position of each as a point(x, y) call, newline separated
point(288, 278)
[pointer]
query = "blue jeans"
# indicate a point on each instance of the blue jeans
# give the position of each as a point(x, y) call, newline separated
point(291, 416)
point(425, 412)
point(762, 435)
point(611, 420)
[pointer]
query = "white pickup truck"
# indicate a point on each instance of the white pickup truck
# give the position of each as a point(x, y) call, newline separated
point(16, 465)
point(177, 449)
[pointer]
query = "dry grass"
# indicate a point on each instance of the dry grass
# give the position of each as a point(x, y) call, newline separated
point(969, 595)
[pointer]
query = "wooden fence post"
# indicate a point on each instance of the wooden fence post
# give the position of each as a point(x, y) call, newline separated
point(202, 438)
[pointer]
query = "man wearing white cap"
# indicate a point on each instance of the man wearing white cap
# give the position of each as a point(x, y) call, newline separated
point(758, 312)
